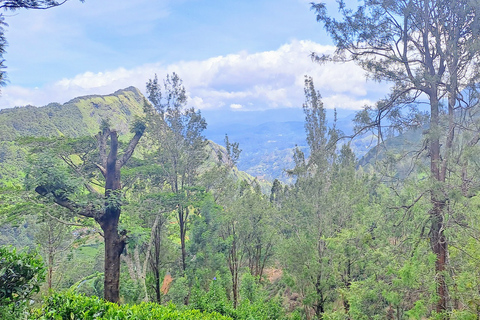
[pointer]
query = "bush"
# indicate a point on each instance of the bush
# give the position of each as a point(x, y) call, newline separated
point(20, 276)
point(213, 300)
point(254, 302)
point(68, 306)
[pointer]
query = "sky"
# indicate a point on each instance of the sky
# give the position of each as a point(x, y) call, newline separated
point(232, 55)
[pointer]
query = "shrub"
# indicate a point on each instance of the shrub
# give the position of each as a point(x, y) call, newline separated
point(20, 276)
point(68, 306)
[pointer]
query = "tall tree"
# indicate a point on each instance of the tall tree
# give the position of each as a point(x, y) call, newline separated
point(178, 132)
point(428, 49)
point(306, 210)
point(62, 186)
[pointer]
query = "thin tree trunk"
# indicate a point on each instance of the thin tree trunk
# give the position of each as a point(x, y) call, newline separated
point(439, 247)
point(50, 270)
point(50, 258)
point(182, 224)
point(234, 265)
point(438, 241)
point(319, 306)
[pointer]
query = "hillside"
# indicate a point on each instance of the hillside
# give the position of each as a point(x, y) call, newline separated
point(268, 137)
point(77, 117)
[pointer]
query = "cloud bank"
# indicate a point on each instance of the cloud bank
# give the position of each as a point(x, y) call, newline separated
point(242, 81)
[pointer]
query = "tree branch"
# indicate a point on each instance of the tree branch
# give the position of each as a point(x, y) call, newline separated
point(102, 148)
point(29, 4)
point(86, 211)
point(131, 147)
point(64, 222)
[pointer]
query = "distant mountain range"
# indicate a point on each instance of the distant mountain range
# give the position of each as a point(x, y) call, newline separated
point(267, 137)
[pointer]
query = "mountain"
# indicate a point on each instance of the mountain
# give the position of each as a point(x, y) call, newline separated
point(268, 137)
point(80, 116)
point(267, 148)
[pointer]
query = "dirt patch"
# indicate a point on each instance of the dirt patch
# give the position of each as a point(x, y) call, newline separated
point(273, 274)
point(167, 282)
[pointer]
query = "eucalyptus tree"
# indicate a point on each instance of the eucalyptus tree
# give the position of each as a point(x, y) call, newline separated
point(429, 51)
point(179, 145)
point(65, 173)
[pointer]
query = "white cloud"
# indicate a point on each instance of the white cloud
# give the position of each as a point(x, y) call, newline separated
point(342, 101)
point(270, 79)
point(236, 106)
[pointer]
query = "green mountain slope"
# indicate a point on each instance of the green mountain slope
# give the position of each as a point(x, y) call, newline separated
point(80, 116)
point(400, 154)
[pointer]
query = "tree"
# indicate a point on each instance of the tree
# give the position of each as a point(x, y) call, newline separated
point(67, 185)
point(54, 237)
point(30, 4)
point(178, 132)
point(428, 49)
point(149, 220)
point(306, 210)
point(325, 236)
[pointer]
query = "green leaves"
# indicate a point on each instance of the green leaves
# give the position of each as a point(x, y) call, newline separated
point(20, 275)
point(71, 306)
point(138, 125)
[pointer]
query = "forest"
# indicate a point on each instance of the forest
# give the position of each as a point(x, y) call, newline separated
point(119, 207)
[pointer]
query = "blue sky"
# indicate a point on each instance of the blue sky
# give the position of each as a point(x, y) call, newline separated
point(232, 55)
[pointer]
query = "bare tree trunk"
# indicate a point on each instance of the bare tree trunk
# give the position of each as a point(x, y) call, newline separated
point(319, 305)
point(50, 270)
point(234, 264)
point(114, 246)
point(114, 242)
point(439, 247)
point(348, 276)
point(50, 258)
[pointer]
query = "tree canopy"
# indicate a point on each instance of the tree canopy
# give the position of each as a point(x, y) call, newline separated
point(428, 50)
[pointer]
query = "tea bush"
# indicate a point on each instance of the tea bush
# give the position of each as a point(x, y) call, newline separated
point(20, 275)
point(69, 306)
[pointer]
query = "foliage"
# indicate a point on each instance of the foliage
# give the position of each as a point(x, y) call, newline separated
point(180, 146)
point(71, 306)
point(20, 276)
point(341, 242)
point(428, 51)
point(255, 303)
